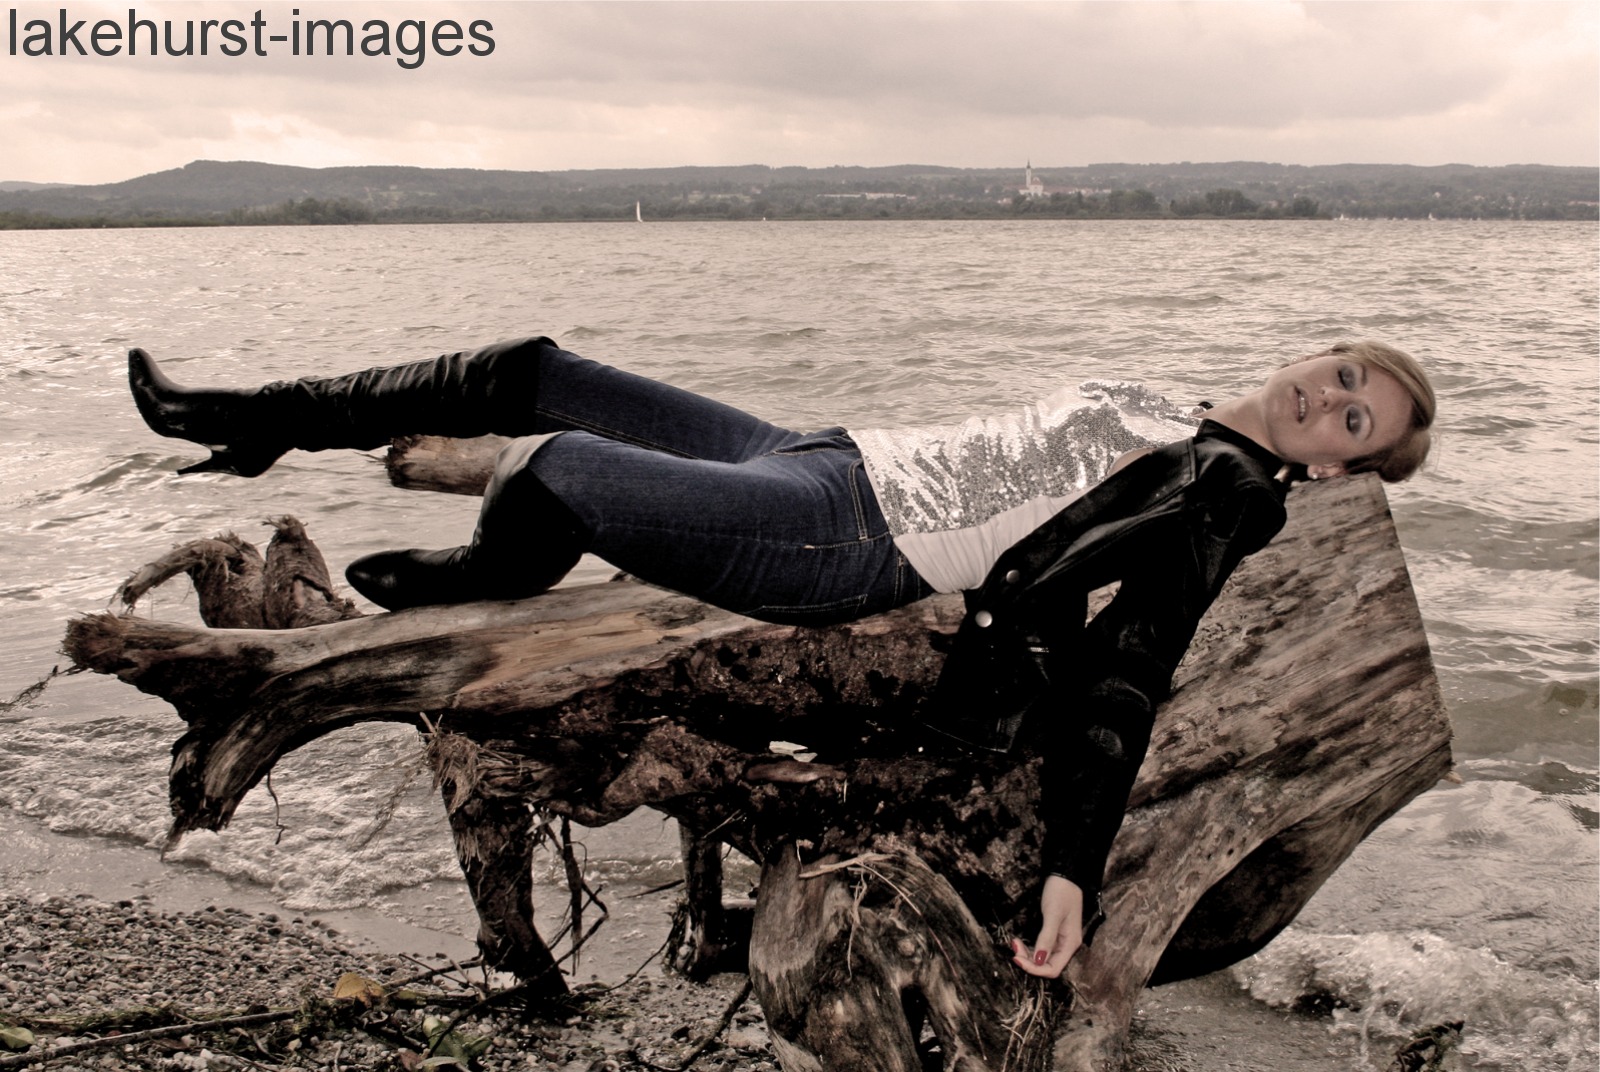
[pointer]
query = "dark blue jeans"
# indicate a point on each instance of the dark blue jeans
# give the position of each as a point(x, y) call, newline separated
point(693, 495)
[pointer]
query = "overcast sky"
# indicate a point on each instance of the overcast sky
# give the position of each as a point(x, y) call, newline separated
point(579, 85)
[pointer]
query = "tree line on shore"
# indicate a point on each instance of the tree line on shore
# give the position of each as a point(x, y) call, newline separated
point(211, 193)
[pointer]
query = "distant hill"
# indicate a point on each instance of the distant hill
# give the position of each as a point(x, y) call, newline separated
point(209, 191)
point(8, 186)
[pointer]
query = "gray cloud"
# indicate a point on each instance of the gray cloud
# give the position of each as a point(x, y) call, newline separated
point(618, 85)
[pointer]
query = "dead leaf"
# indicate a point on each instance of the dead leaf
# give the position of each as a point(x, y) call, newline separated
point(352, 986)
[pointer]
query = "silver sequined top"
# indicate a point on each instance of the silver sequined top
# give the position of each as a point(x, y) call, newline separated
point(956, 496)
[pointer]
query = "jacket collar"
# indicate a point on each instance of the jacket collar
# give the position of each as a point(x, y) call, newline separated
point(1210, 429)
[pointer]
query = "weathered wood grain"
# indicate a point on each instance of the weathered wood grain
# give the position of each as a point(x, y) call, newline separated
point(436, 463)
point(1305, 713)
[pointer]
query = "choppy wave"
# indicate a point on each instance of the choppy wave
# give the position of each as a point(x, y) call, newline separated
point(1388, 985)
point(1479, 903)
point(1498, 625)
point(347, 817)
point(1162, 301)
point(1490, 540)
point(1552, 722)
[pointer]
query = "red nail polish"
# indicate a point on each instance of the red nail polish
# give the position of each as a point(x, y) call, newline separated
point(1040, 957)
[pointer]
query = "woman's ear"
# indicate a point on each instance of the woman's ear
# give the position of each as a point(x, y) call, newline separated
point(1324, 472)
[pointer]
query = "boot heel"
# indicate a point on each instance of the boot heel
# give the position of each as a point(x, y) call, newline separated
point(209, 417)
point(242, 462)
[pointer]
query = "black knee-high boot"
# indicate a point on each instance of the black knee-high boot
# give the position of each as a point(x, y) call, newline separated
point(527, 539)
point(472, 393)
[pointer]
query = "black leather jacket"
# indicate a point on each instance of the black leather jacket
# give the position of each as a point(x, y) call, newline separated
point(1170, 527)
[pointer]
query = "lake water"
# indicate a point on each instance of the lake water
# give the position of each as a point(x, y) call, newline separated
point(1477, 901)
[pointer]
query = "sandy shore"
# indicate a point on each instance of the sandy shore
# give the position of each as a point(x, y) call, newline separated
point(93, 936)
point(74, 968)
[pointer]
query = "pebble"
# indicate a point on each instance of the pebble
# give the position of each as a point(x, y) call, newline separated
point(62, 959)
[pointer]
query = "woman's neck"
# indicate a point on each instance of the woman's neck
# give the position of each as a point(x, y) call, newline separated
point(1243, 415)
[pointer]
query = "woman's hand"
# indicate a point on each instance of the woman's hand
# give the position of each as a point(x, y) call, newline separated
point(1061, 904)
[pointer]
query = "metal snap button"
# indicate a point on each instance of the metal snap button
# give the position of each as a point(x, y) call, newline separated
point(1013, 576)
point(983, 619)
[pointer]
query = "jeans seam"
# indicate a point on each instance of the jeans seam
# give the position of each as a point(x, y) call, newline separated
point(836, 545)
point(832, 604)
point(678, 531)
point(811, 443)
point(575, 424)
point(856, 468)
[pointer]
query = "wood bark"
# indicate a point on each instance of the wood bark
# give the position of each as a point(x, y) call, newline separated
point(851, 958)
point(710, 933)
point(240, 588)
point(1305, 714)
point(494, 842)
point(437, 463)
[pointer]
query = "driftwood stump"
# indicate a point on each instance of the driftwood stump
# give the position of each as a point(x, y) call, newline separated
point(1305, 714)
point(852, 958)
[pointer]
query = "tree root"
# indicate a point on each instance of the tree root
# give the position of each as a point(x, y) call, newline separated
point(225, 1023)
point(239, 588)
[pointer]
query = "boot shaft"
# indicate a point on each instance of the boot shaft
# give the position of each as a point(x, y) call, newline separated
point(492, 390)
point(489, 391)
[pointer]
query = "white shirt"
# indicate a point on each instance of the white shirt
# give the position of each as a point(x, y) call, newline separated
point(956, 496)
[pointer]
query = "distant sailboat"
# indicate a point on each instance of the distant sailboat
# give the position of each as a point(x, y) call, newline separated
point(638, 213)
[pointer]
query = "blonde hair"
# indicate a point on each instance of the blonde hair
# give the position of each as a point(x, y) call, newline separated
point(1406, 456)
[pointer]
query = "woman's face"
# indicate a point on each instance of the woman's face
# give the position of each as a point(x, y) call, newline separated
point(1326, 411)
